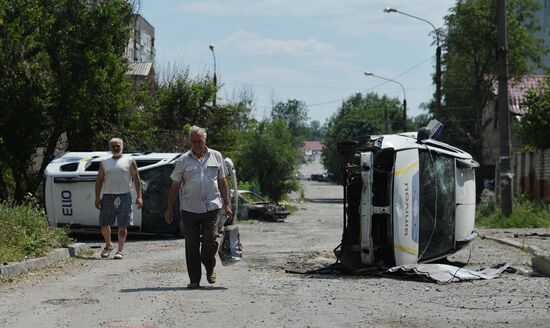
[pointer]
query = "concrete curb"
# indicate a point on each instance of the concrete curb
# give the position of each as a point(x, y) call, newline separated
point(14, 269)
point(533, 250)
point(539, 261)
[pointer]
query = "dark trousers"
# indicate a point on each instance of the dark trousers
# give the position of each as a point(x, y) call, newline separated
point(195, 225)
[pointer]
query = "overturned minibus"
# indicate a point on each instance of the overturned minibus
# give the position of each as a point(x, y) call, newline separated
point(408, 199)
point(69, 183)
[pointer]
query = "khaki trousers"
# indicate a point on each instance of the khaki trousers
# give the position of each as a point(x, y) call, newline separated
point(195, 225)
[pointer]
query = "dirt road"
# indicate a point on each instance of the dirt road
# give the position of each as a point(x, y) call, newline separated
point(147, 288)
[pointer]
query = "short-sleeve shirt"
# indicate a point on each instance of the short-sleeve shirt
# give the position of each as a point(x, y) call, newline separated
point(199, 192)
point(118, 176)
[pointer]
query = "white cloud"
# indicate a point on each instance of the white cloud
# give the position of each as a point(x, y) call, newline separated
point(302, 8)
point(253, 44)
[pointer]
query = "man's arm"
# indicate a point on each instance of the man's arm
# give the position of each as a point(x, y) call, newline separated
point(137, 183)
point(224, 191)
point(98, 185)
point(169, 213)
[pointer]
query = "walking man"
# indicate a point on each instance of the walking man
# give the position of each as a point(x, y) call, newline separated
point(204, 195)
point(115, 178)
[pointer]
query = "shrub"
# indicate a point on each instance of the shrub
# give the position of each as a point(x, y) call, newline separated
point(24, 232)
point(526, 213)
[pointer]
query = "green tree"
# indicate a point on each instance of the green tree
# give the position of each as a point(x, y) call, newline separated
point(358, 117)
point(26, 95)
point(294, 114)
point(269, 157)
point(63, 71)
point(184, 101)
point(470, 66)
point(534, 126)
point(315, 131)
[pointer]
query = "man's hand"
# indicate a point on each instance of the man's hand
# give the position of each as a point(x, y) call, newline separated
point(98, 203)
point(169, 215)
point(139, 202)
point(229, 213)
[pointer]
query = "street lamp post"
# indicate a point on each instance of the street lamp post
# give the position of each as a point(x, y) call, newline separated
point(367, 73)
point(214, 80)
point(437, 59)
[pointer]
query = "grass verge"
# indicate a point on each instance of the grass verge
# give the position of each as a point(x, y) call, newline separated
point(25, 233)
point(526, 213)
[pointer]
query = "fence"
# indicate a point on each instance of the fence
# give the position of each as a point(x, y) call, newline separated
point(532, 173)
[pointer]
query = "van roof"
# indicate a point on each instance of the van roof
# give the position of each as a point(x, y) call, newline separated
point(72, 163)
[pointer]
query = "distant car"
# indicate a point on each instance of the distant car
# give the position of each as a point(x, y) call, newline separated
point(408, 198)
point(253, 206)
point(321, 177)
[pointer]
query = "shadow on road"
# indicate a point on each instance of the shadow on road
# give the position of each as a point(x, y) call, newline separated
point(166, 289)
point(325, 200)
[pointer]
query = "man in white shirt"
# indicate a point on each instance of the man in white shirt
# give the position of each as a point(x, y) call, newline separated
point(115, 178)
point(204, 196)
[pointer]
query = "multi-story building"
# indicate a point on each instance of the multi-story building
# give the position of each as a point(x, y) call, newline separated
point(140, 50)
point(141, 45)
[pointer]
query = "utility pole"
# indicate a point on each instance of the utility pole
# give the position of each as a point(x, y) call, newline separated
point(404, 125)
point(215, 79)
point(503, 113)
point(438, 111)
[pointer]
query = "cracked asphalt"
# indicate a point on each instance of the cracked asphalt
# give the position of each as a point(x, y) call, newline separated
point(147, 288)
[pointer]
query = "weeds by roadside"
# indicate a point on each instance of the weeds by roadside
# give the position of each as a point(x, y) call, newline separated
point(24, 232)
point(526, 214)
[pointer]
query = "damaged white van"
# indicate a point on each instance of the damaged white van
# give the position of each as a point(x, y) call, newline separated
point(407, 200)
point(70, 191)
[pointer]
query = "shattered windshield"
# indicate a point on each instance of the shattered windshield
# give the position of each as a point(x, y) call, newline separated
point(437, 204)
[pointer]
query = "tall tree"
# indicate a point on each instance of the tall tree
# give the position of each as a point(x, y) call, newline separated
point(359, 116)
point(470, 66)
point(315, 131)
point(184, 101)
point(295, 115)
point(63, 70)
point(269, 157)
point(26, 95)
point(534, 127)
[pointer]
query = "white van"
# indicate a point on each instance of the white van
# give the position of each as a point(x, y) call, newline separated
point(408, 200)
point(70, 191)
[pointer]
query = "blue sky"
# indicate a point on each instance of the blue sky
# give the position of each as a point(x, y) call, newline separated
point(312, 50)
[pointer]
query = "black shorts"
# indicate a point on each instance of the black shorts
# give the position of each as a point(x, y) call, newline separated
point(116, 207)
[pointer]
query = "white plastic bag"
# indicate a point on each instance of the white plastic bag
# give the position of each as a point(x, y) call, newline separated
point(231, 250)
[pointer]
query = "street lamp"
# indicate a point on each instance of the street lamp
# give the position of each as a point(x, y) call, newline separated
point(367, 73)
point(215, 80)
point(437, 59)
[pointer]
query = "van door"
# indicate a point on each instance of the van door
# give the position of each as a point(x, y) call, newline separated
point(73, 200)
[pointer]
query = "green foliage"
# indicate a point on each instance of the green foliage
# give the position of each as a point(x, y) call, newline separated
point(527, 214)
point(24, 232)
point(534, 127)
point(417, 122)
point(183, 101)
point(269, 157)
point(359, 116)
point(315, 131)
point(63, 70)
point(25, 90)
point(470, 65)
point(294, 114)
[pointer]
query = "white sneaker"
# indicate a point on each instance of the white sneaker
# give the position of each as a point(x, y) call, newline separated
point(119, 256)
